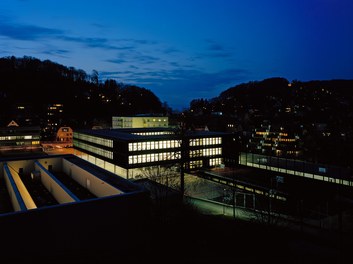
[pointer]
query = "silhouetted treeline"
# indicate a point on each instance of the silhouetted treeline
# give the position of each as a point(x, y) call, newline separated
point(34, 83)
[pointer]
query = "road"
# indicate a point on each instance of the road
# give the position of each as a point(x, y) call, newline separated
point(216, 208)
point(60, 150)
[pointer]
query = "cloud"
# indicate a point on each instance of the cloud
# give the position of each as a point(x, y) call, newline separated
point(215, 46)
point(18, 31)
point(90, 42)
point(117, 61)
point(143, 41)
point(60, 52)
point(191, 84)
point(179, 86)
point(146, 58)
point(170, 51)
point(26, 32)
point(174, 64)
point(214, 50)
point(215, 55)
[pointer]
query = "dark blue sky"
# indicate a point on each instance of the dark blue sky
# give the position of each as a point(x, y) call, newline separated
point(185, 49)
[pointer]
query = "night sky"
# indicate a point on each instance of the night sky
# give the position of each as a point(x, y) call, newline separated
point(185, 49)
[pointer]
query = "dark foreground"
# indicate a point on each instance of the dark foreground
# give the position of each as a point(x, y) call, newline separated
point(182, 235)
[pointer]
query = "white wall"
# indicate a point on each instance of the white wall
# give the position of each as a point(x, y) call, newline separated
point(60, 192)
point(95, 185)
point(23, 192)
point(56, 163)
point(27, 166)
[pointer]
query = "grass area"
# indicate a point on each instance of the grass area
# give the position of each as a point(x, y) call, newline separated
point(190, 236)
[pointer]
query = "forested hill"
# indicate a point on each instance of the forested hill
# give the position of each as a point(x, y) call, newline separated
point(34, 83)
point(315, 100)
point(281, 87)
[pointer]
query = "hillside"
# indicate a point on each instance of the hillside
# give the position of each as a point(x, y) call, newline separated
point(34, 84)
point(318, 112)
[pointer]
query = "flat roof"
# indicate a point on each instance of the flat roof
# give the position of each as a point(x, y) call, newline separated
point(44, 198)
point(127, 133)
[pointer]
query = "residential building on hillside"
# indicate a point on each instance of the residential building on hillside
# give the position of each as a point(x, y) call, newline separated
point(54, 119)
point(274, 141)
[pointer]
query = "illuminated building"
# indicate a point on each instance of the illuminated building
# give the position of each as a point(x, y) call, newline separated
point(14, 137)
point(127, 152)
point(139, 121)
point(65, 135)
point(274, 141)
point(54, 117)
point(23, 114)
point(58, 203)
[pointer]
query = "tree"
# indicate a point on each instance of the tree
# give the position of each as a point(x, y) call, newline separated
point(180, 133)
point(95, 77)
point(163, 187)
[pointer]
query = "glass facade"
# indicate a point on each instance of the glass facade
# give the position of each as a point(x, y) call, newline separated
point(150, 145)
point(137, 150)
point(205, 141)
point(154, 157)
point(101, 152)
point(19, 140)
point(154, 133)
point(94, 139)
point(205, 152)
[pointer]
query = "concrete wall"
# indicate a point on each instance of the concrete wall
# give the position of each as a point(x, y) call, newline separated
point(95, 185)
point(55, 187)
point(26, 165)
point(75, 228)
point(20, 197)
point(1, 170)
point(55, 163)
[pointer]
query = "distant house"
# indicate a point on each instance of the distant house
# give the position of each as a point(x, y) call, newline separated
point(65, 135)
point(17, 138)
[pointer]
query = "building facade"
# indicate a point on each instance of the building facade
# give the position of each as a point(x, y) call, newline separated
point(273, 141)
point(65, 135)
point(14, 137)
point(54, 119)
point(139, 121)
point(127, 152)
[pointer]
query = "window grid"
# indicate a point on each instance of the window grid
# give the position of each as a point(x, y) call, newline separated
point(93, 139)
point(150, 145)
point(19, 137)
point(205, 152)
point(205, 141)
point(102, 152)
point(153, 157)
